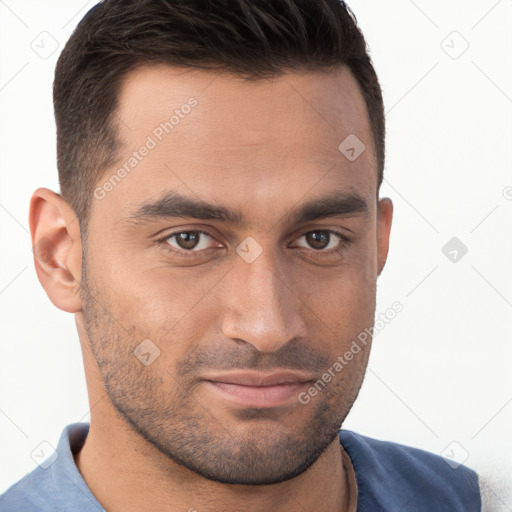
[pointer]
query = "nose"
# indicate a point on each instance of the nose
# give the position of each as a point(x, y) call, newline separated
point(261, 307)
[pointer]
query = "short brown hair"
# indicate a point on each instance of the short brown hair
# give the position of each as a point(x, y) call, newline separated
point(251, 38)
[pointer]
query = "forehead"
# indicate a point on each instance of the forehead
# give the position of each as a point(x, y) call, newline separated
point(221, 137)
point(234, 109)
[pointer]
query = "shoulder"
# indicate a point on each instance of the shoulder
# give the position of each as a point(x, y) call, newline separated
point(30, 494)
point(55, 482)
point(390, 474)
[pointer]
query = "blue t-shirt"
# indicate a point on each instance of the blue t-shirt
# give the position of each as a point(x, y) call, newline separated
point(390, 477)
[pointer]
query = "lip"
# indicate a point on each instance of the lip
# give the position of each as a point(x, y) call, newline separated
point(258, 390)
point(261, 379)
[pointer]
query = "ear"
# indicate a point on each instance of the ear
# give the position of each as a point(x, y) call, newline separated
point(57, 247)
point(384, 220)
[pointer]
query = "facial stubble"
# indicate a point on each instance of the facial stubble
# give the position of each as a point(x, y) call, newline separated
point(164, 408)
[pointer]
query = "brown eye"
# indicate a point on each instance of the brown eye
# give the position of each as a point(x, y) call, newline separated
point(189, 241)
point(320, 240)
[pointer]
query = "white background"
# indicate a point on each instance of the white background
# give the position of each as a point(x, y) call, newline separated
point(440, 371)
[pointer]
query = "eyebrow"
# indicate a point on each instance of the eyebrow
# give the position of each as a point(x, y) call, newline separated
point(174, 205)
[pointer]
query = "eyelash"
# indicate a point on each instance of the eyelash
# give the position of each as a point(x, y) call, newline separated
point(193, 254)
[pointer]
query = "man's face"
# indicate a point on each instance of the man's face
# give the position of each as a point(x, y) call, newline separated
point(177, 301)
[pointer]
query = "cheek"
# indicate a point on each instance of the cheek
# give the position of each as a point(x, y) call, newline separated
point(342, 298)
point(148, 289)
point(173, 308)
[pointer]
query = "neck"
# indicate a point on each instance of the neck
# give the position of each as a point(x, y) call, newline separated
point(125, 472)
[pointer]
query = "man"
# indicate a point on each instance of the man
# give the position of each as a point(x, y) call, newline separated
point(218, 237)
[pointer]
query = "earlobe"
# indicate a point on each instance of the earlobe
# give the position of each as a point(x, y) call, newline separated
point(384, 221)
point(57, 248)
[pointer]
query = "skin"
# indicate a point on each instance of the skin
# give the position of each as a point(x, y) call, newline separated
point(160, 435)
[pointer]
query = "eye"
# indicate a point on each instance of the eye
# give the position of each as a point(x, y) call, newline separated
point(324, 239)
point(188, 241)
point(191, 243)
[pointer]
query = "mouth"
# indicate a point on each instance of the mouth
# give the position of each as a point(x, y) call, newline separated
point(258, 390)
